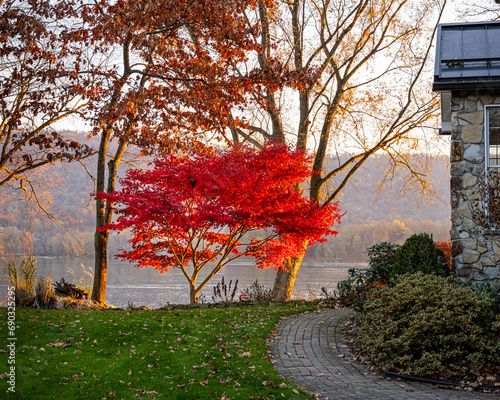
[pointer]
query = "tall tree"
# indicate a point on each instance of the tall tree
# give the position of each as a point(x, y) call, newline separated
point(370, 94)
point(37, 90)
point(198, 213)
point(174, 77)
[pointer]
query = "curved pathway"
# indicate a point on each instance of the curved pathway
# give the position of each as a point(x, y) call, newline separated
point(310, 351)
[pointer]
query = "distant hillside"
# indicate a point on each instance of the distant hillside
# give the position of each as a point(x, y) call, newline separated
point(392, 214)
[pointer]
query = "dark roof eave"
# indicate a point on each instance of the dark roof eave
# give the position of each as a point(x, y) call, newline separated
point(455, 85)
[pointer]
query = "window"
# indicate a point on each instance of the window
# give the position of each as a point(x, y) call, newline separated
point(491, 188)
point(492, 137)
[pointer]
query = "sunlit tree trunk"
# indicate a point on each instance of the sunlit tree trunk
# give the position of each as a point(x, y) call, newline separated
point(104, 209)
point(285, 281)
point(193, 295)
point(101, 266)
point(104, 214)
point(101, 238)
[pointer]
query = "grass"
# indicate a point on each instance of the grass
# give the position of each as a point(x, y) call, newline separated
point(217, 353)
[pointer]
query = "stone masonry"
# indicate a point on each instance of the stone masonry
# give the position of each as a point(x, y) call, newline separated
point(475, 253)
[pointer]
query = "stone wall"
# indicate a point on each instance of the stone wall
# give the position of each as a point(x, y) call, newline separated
point(474, 256)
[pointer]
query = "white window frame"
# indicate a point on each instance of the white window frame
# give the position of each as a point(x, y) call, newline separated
point(487, 166)
point(487, 138)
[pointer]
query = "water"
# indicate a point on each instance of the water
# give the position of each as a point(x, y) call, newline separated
point(148, 287)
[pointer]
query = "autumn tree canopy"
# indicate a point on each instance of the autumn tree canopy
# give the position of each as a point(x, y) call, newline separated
point(199, 212)
point(37, 89)
point(370, 94)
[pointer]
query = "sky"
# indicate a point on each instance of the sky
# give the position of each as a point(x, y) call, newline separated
point(454, 10)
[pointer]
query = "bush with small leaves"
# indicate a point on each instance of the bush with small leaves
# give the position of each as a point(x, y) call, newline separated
point(424, 325)
point(420, 254)
point(489, 289)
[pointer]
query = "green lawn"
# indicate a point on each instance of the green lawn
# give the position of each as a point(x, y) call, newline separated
point(216, 353)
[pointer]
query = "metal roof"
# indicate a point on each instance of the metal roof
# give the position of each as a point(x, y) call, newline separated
point(467, 56)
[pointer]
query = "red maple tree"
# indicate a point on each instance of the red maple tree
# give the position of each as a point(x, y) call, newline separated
point(200, 211)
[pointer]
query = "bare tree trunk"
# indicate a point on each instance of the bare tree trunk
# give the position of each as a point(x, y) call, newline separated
point(101, 238)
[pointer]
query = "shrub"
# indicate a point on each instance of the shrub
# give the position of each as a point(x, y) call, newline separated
point(223, 292)
point(378, 273)
point(256, 292)
point(488, 289)
point(425, 324)
point(381, 263)
point(419, 254)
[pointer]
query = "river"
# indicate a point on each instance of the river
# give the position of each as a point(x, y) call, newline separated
point(147, 287)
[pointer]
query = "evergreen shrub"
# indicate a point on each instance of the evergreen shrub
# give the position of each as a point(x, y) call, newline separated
point(423, 325)
point(420, 254)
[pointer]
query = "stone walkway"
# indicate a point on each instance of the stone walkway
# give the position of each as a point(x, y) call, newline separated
point(310, 351)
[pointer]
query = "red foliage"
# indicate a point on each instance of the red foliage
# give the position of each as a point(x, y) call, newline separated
point(446, 248)
point(189, 211)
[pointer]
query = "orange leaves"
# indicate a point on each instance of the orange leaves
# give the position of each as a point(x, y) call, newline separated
point(446, 248)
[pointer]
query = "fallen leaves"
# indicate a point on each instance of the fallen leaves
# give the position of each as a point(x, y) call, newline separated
point(57, 344)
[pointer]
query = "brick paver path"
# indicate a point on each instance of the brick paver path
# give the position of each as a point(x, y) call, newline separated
point(310, 351)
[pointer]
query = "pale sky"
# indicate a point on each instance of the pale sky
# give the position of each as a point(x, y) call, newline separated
point(454, 10)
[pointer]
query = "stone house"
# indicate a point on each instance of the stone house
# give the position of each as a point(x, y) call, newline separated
point(467, 74)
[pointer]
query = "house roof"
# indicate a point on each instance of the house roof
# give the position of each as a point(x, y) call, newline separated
point(467, 56)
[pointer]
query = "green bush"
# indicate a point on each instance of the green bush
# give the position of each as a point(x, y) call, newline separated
point(425, 324)
point(381, 264)
point(419, 254)
point(488, 289)
point(353, 290)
